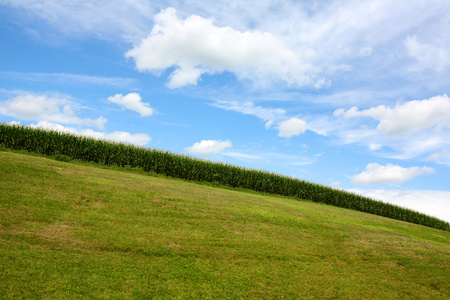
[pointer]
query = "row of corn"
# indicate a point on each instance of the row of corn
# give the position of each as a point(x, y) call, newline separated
point(179, 166)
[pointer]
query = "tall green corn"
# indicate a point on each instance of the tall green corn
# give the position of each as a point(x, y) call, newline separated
point(185, 167)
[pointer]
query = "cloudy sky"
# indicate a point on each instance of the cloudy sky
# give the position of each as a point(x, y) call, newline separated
point(351, 94)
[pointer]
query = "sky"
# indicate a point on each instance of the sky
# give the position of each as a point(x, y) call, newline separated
point(349, 94)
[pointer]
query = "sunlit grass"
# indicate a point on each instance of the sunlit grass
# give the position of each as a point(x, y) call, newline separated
point(66, 147)
point(73, 230)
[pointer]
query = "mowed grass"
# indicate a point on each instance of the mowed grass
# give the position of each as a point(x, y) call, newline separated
point(74, 230)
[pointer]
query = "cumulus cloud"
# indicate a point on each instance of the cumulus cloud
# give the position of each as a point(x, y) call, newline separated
point(413, 129)
point(132, 101)
point(428, 55)
point(291, 127)
point(139, 139)
point(195, 46)
point(410, 117)
point(336, 30)
point(208, 147)
point(52, 108)
point(378, 174)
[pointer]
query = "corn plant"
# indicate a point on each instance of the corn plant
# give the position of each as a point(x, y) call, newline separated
point(184, 167)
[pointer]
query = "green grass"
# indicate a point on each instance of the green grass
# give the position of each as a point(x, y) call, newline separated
point(65, 147)
point(75, 230)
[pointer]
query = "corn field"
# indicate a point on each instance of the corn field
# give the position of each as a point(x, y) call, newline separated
point(184, 167)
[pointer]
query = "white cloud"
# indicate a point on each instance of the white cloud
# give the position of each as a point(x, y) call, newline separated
point(335, 183)
point(428, 55)
point(139, 139)
point(14, 123)
point(258, 158)
point(242, 155)
point(269, 115)
point(104, 19)
point(410, 117)
point(334, 29)
point(378, 174)
point(194, 46)
point(366, 51)
point(337, 32)
point(268, 124)
point(52, 108)
point(414, 129)
point(360, 135)
point(436, 156)
point(133, 102)
point(433, 203)
point(291, 127)
point(208, 147)
point(424, 143)
point(375, 146)
point(68, 78)
point(305, 162)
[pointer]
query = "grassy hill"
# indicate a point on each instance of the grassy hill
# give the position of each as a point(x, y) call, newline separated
point(77, 230)
point(68, 146)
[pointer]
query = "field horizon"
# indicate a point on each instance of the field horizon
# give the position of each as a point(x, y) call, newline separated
point(80, 230)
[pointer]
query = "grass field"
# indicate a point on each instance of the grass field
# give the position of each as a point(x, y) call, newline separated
point(77, 230)
point(65, 147)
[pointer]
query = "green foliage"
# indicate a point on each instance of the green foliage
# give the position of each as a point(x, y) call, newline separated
point(62, 157)
point(184, 167)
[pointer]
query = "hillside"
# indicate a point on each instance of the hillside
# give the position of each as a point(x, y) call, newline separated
point(108, 153)
point(76, 230)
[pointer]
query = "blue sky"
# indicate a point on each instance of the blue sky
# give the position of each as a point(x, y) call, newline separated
point(350, 94)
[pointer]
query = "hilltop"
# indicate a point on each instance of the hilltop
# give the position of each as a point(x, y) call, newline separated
point(80, 230)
